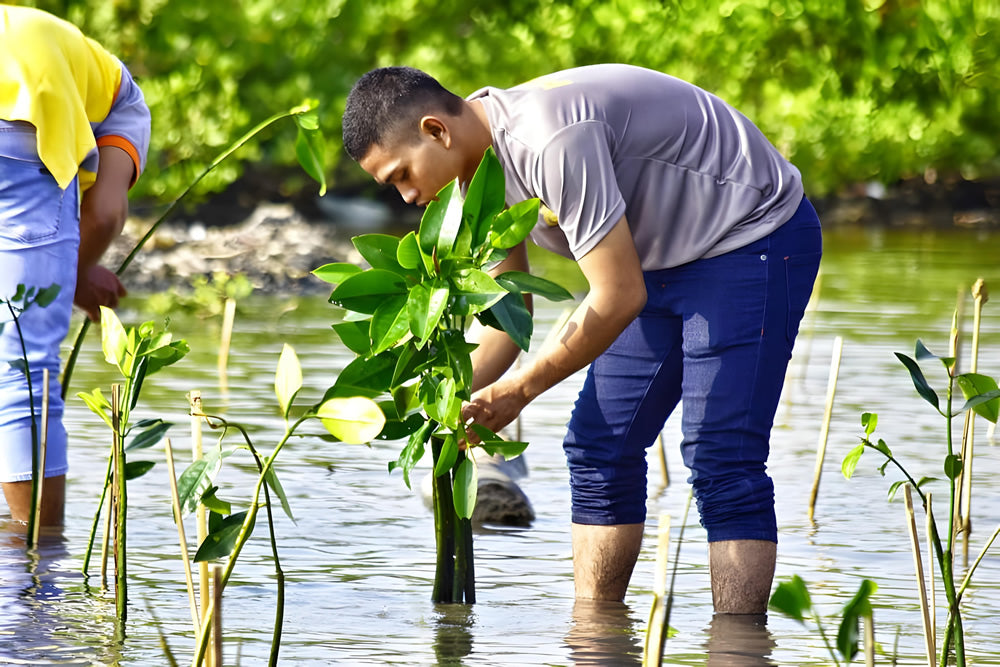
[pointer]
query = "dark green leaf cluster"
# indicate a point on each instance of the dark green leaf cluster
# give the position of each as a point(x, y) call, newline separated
point(408, 313)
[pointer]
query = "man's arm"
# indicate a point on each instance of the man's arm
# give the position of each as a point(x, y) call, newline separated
point(617, 294)
point(103, 210)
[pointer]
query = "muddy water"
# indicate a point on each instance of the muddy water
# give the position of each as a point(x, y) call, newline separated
point(359, 557)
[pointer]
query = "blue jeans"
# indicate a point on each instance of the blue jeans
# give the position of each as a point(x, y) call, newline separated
point(39, 242)
point(716, 334)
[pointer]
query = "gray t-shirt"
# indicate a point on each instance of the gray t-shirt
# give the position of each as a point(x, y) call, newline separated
point(692, 175)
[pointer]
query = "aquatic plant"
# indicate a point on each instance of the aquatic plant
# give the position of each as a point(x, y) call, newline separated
point(23, 298)
point(137, 352)
point(348, 418)
point(981, 396)
point(406, 321)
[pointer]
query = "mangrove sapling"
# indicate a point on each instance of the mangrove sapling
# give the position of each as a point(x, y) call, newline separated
point(309, 150)
point(137, 352)
point(792, 599)
point(23, 298)
point(406, 322)
point(982, 396)
point(348, 418)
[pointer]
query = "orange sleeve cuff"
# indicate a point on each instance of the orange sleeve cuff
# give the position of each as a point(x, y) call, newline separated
point(125, 145)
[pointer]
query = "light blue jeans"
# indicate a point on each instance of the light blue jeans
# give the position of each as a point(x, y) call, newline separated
point(39, 243)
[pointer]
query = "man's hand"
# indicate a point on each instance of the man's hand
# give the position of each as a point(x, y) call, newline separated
point(496, 405)
point(97, 287)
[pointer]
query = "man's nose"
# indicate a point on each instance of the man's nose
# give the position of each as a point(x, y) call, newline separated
point(409, 195)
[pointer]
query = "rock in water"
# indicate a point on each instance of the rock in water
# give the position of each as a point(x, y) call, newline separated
point(499, 499)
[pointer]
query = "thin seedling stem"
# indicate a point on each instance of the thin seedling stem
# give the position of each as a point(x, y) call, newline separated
point(831, 390)
point(656, 629)
point(980, 295)
point(201, 520)
point(217, 615)
point(43, 442)
point(175, 497)
point(229, 316)
point(870, 640)
point(662, 453)
point(911, 526)
point(933, 589)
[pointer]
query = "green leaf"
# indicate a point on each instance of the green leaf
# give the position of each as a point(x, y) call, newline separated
point(150, 436)
point(869, 421)
point(509, 449)
point(197, 478)
point(336, 273)
point(408, 253)
point(882, 447)
point(380, 251)
point(513, 225)
point(373, 374)
point(98, 405)
point(427, 303)
point(446, 408)
point(981, 387)
point(19, 365)
point(134, 469)
point(287, 378)
point(519, 281)
point(413, 451)
point(48, 295)
point(221, 541)
point(850, 461)
point(310, 150)
point(895, 487)
point(354, 420)
point(114, 340)
point(858, 607)
point(484, 198)
point(215, 504)
point(447, 457)
point(440, 222)
point(165, 356)
point(920, 351)
point(465, 487)
point(366, 291)
point(925, 480)
point(791, 598)
point(512, 316)
point(953, 466)
point(407, 365)
point(405, 399)
point(919, 382)
point(271, 477)
point(475, 291)
point(390, 323)
point(355, 335)
point(395, 429)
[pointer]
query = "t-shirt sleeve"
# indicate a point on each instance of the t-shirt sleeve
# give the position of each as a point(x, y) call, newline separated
point(575, 177)
point(127, 124)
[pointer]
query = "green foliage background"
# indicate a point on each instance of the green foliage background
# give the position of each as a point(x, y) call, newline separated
point(853, 90)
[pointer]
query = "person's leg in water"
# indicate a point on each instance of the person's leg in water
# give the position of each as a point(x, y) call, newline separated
point(742, 312)
point(39, 239)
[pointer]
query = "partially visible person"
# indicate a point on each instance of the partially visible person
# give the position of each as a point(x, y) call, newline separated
point(700, 250)
point(74, 131)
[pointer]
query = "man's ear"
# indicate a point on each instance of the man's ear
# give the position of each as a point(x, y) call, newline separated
point(435, 128)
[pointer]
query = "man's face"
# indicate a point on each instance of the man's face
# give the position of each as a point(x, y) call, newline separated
point(418, 170)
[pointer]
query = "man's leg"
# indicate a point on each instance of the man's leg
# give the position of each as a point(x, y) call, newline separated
point(741, 571)
point(18, 496)
point(603, 559)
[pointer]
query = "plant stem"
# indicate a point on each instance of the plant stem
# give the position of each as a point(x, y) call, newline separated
point(279, 609)
point(444, 532)
point(826, 640)
point(33, 508)
point(78, 342)
point(120, 503)
point(97, 518)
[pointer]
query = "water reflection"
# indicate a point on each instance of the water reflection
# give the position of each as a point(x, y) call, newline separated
point(603, 633)
point(453, 633)
point(739, 640)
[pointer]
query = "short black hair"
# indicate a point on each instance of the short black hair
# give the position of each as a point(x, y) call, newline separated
point(387, 99)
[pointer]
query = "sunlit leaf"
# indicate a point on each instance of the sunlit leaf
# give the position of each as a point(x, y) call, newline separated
point(310, 150)
point(519, 281)
point(413, 451)
point(215, 504)
point(354, 420)
point(287, 378)
point(513, 225)
point(337, 272)
point(441, 220)
point(221, 541)
point(390, 323)
point(114, 339)
point(509, 449)
point(426, 305)
point(380, 251)
point(484, 198)
point(271, 477)
point(98, 404)
point(850, 461)
point(869, 421)
point(791, 598)
point(475, 291)
point(983, 390)
point(410, 359)
point(197, 478)
point(465, 487)
point(366, 291)
point(355, 335)
point(447, 408)
point(919, 382)
point(447, 456)
point(408, 252)
point(858, 607)
point(150, 436)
